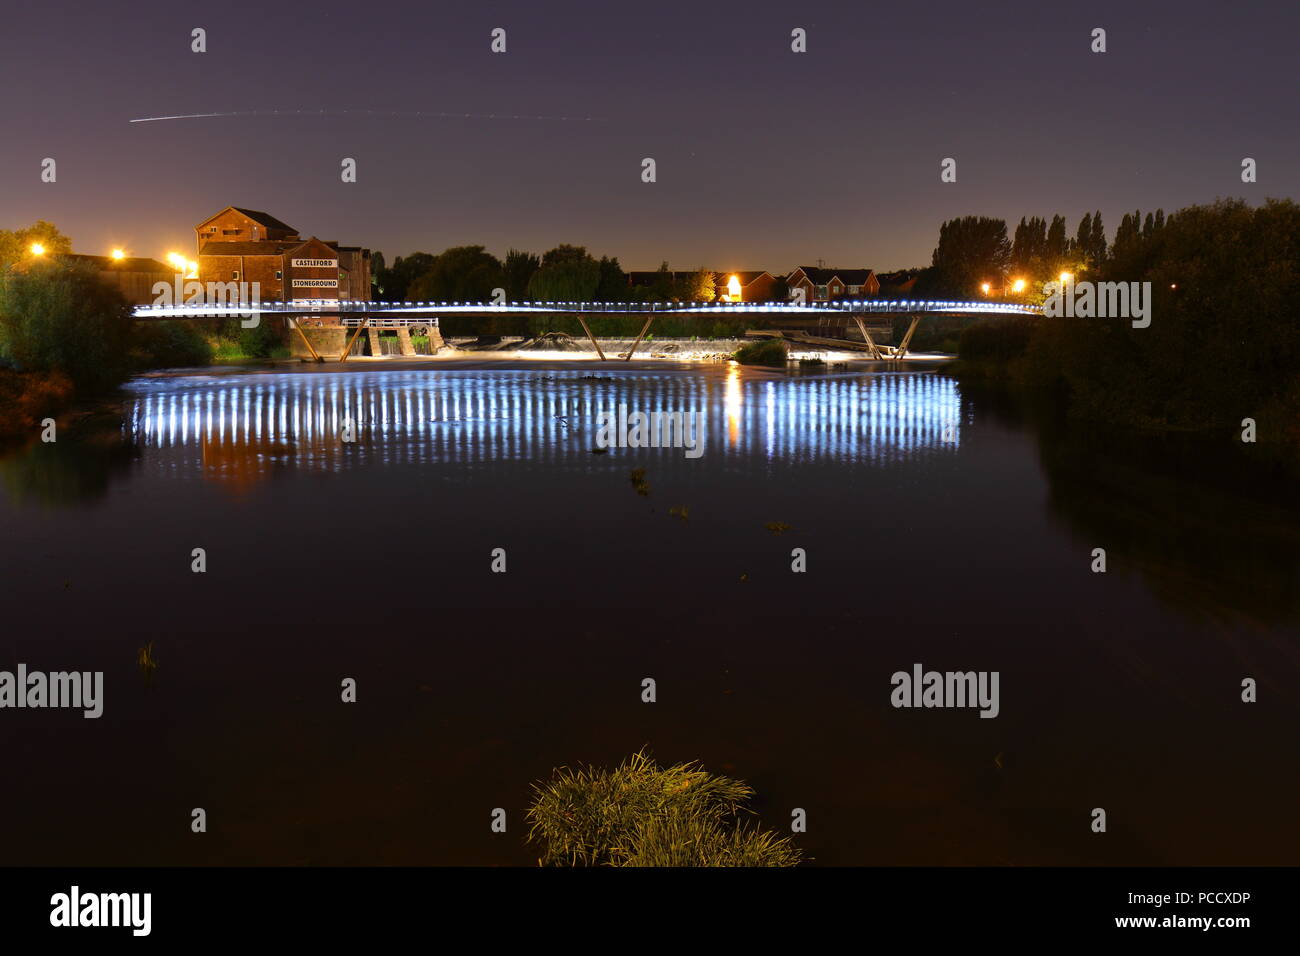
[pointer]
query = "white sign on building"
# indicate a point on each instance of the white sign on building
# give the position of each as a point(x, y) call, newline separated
point(315, 283)
point(315, 263)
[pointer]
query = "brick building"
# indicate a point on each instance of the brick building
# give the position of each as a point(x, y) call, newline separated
point(827, 285)
point(134, 277)
point(244, 245)
point(747, 287)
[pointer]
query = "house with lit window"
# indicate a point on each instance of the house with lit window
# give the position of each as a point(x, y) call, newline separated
point(827, 285)
point(747, 286)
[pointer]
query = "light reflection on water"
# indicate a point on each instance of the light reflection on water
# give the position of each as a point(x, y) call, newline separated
point(414, 417)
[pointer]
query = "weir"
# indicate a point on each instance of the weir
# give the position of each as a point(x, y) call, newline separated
point(371, 316)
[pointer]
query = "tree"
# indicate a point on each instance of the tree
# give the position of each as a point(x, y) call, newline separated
point(519, 268)
point(1083, 239)
point(60, 317)
point(1097, 244)
point(971, 250)
point(396, 282)
point(1058, 250)
point(16, 246)
point(613, 281)
point(1029, 252)
point(567, 274)
point(699, 286)
point(459, 274)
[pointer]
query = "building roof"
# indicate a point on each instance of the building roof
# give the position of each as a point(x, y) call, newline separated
point(126, 264)
point(252, 247)
point(823, 276)
point(265, 219)
point(745, 277)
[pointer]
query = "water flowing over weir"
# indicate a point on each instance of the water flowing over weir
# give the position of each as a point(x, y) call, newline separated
point(487, 417)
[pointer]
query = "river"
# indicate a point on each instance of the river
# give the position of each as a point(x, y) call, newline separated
point(937, 527)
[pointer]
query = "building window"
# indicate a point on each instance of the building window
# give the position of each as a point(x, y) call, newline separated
point(235, 275)
point(854, 289)
point(230, 232)
point(821, 292)
point(279, 274)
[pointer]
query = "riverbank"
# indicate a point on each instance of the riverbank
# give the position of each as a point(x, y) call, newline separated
point(28, 398)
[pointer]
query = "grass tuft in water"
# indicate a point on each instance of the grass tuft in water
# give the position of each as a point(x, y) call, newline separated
point(145, 660)
point(641, 814)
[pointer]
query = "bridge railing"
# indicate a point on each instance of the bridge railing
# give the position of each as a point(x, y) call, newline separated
point(364, 307)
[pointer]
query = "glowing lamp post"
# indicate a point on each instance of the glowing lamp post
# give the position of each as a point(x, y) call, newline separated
point(37, 249)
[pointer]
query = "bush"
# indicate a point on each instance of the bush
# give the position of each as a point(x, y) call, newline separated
point(640, 814)
point(169, 345)
point(773, 352)
point(29, 397)
point(58, 317)
point(998, 340)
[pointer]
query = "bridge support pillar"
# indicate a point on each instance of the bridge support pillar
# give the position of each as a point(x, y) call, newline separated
point(404, 341)
point(372, 334)
point(866, 336)
point(644, 329)
point(901, 351)
point(594, 343)
point(436, 344)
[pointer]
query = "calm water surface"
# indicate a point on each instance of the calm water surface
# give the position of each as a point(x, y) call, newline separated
point(939, 527)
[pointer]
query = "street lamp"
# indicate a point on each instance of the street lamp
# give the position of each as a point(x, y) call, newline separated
point(37, 249)
point(985, 287)
point(1018, 285)
point(118, 254)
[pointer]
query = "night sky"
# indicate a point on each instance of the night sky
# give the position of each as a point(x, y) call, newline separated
point(766, 159)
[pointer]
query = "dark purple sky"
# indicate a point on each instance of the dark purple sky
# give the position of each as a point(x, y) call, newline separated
point(766, 159)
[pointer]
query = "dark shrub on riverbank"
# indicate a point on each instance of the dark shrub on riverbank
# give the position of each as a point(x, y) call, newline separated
point(771, 352)
point(1224, 340)
point(58, 317)
point(641, 814)
point(169, 345)
point(26, 398)
point(996, 340)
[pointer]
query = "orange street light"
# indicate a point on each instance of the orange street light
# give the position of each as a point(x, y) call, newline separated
point(1018, 285)
point(985, 287)
point(37, 249)
point(118, 254)
point(1066, 277)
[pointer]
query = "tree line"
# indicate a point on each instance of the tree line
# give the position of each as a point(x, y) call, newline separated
point(566, 273)
point(975, 250)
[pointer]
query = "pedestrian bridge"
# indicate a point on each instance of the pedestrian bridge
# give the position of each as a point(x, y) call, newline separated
point(358, 314)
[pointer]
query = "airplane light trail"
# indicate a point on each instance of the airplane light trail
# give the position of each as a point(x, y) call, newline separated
point(395, 113)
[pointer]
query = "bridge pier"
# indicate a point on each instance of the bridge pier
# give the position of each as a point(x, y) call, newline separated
point(644, 329)
point(901, 351)
point(372, 336)
point(404, 341)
